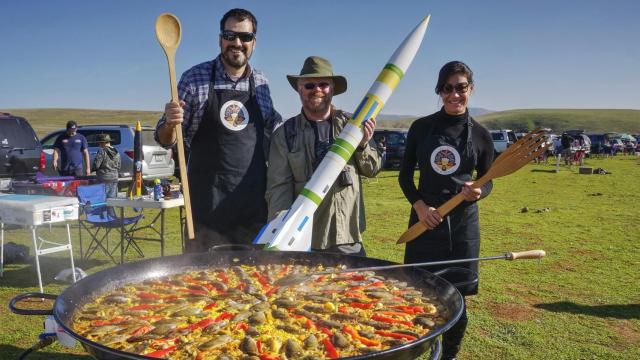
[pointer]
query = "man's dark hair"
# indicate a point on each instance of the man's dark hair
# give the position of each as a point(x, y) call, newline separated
point(453, 68)
point(240, 15)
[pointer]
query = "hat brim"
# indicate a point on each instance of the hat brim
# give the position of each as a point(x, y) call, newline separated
point(339, 82)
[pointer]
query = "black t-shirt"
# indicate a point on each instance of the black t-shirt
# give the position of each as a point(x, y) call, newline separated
point(453, 127)
point(322, 130)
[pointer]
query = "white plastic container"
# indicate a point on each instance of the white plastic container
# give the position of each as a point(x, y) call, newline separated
point(37, 209)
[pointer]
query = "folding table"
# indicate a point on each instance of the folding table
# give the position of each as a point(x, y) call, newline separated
point(31, 211)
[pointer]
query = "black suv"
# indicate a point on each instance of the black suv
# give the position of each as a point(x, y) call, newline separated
point(395, 141)
point(21, 154)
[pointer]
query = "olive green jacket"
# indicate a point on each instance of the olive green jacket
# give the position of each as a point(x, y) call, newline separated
point(340, 217)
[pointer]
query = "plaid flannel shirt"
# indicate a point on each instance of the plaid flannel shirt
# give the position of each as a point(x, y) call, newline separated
point(193, 89)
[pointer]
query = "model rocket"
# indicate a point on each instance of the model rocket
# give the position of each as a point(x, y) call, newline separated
point(136, 181)
point(291, 230)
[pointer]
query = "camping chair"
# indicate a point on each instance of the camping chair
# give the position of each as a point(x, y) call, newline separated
point(100, 219)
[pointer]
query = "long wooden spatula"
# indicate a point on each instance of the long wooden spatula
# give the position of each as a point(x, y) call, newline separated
point(513, 158)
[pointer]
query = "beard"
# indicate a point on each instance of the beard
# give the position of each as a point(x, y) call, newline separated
point(317, 104)
point(234, 59)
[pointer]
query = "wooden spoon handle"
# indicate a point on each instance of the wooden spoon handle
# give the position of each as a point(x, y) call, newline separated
point(530, 254)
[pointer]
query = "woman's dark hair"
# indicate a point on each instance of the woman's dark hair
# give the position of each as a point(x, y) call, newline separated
point(453, 68)
point(240, 15)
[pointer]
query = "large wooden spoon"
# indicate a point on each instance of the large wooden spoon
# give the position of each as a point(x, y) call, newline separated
point(169, 33)
point(512, 159)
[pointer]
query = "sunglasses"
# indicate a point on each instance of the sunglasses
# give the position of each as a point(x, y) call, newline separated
point(311, 85)
point(460, 88)
point(230, 35)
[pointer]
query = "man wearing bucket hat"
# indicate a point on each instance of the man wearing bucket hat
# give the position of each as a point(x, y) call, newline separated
point(72, 149)
point(301, 143)
point(107, 165)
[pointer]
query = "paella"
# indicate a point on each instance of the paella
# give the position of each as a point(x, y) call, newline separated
point(244, 312)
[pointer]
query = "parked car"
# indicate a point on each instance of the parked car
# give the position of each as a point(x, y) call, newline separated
point(396, 140)
point(20, 151)
point(157, 161)
point(617, 146)
point(502, 139)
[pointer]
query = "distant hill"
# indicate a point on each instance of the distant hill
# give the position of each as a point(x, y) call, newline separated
point(591, 120)
point(45, 121)
point(559, 120)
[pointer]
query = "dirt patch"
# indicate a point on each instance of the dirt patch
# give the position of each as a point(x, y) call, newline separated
point(512, 312)
point(626, 335)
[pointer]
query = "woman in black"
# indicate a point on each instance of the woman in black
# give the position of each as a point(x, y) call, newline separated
point(447, 146)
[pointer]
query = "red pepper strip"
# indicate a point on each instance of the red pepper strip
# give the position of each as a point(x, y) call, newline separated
point(170, 298)
point(224, 316)
point(395, 335)
point(354, 294)
point(309, 324)
point(223, 277)
point(285, 270)
point(375, 284)
point(389, 320)
point(409, 309)
point(326, 331)
point(194, 292)
point(210, 306)
point(360, 305)
point(354, 289)
point(259, 346)
point(269, 357)
point(241, 286)
point(152, 317)
point(148, 296)
point(357, 277)
point(242, 326)
point(354, 334)
point(394, 313)
point(161, 353)
point(261, 278)
point(321, 278)
point(343, 309)
point(201, 324)
point(142, 330)
point(332, 353)
point(272, 290)
point(116, 320)
point(200, 356)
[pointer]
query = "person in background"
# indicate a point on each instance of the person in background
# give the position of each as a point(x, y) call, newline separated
point(106, 164)
point(448, 147)
point(72, 150)
point(227, 117)
point(382, 149)
point(566, 142)
point(298, 147)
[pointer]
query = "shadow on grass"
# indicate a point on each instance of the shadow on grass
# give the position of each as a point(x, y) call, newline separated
point(544, 170)
point(25, 276)
point(12, 352)
point(621, 311)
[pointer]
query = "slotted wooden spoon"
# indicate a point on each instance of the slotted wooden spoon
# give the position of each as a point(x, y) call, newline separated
point(169, 33)
point(513, 158)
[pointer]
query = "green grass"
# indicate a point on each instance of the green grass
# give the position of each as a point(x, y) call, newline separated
point(581, 302)
point(559, 120)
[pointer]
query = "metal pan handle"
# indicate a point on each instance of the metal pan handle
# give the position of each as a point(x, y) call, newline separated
point(16, 310)
point(231, 247)
point(450, 274)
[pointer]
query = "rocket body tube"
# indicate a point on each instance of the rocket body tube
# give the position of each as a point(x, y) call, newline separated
point(292, 229)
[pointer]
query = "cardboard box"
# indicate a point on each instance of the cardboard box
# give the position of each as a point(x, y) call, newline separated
point(588, 170)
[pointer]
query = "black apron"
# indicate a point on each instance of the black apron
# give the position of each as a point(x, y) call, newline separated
point(227, 169)
point(458, 236)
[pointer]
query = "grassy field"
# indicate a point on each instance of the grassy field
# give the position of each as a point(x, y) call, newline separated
point(559, 120)
point(581, 302)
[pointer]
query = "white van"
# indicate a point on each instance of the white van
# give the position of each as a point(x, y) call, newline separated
point(502, 139)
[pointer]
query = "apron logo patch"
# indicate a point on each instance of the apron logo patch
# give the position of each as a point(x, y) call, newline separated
point(234, 115)
point(445, 160)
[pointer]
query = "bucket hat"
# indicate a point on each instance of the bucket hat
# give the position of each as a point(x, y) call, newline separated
point(318, 67)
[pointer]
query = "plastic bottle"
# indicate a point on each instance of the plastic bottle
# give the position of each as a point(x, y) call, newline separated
point(157, 190)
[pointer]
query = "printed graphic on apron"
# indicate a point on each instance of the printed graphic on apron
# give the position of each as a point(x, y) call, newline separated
point(234, 115)
point(445, 160)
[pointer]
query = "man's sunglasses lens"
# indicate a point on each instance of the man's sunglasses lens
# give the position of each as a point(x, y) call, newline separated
point(232, 35)
point(311, 86)
point(460, 88)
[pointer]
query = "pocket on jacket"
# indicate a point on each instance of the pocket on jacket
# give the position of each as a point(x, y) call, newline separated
point(298, 163)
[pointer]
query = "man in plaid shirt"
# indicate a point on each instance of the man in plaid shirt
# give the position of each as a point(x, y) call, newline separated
point(227, 117)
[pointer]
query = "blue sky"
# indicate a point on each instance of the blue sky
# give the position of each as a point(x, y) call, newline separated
point(525, 54)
